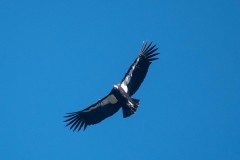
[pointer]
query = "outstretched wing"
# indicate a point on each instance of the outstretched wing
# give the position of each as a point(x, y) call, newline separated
point(97, 112)
point(138, 70)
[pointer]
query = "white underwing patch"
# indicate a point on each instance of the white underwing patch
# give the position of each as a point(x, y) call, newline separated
point(124, 87)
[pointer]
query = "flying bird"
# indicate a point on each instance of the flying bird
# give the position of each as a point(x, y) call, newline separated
point(120, 96)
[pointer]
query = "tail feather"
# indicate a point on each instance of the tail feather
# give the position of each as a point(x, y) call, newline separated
point(128, 110)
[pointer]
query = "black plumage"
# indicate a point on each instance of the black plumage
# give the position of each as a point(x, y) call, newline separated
point(119, 96)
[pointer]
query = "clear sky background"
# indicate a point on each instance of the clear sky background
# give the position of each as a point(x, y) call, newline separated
point(59, 56)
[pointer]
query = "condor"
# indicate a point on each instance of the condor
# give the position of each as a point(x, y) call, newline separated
point(120, 96)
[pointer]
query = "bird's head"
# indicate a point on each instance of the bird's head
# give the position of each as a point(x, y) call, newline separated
point(115, 87)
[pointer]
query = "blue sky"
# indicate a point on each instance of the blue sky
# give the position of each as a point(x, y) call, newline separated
point(62, 56)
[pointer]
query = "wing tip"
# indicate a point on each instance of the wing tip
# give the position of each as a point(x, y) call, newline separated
point(75, 121)
point(148, 47)
point(148, 51)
